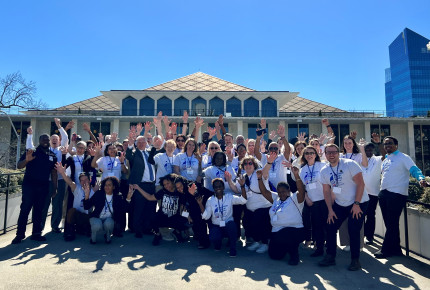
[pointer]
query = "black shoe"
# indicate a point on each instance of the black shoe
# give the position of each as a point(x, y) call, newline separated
point(233, 253)
point(294, 261)
point(203, 245)
point(317, 253)
point(355, 265)
point(157, 239)
point(369, 243)
point(138, 235)
point(92, 242)
point(17, 240)
point(179, 237)
point(56, 230)
point(328, 260)
point(38, 238)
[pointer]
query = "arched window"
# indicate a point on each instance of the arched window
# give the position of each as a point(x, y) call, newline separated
point(234, 106)
point(216, 107)
point(147, 107)
point(165, 105)
point(129, 106)
point(181, 104)
point(269, 107)
point(251, 107)
point(198, 106)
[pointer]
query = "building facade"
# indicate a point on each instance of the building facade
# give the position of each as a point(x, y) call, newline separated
point(407, 81)
point(207, 96)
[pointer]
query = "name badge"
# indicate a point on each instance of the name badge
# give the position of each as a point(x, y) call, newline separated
point(190, 170)
point(51, 158)
point(313, 186)
point(185, 214)
point(274, 218)
point(222, 224)
point(272, 175)
point(337, 189)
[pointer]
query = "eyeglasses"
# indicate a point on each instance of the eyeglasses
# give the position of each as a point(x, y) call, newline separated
point(213, 148)
point(309, 153)
point(180, 140)
point(331, 152)
point(273, 148)
point(248, 163)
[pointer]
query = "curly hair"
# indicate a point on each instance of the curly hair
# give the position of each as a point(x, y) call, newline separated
point(115, 183)
point(247, 159)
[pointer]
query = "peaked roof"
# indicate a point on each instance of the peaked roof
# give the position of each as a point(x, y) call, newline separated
point(199, 82)
point(100, 103)
point(299, 104)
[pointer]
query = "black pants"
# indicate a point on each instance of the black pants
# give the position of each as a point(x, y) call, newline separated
point(200, 228)
point(306, 216)
point(286, 241)
point(319, 214)
point(391, 204)
point(369, 225)
point(143, 209)
point(237, 216)
point(176, 222)
point(354, 228)
point(259, 226)
point(33, 197)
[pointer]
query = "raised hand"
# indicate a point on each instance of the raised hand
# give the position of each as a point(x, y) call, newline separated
point(212, 132)
point(217, 127)
point(60, 169)
point(322, 138)
point(227, 176)
point(241, 180)
point(185, 117)
point(259, 174)
point(295, 171)
point(57, 123)
point(272, 157)
point(122, 157)
point(138, 129)
point(376, 138)
point(325, 122)
point(353, 134)
point(362, 143)
point(86, 127)
point(198, 121)
point(64, 149)
point(192, 189)
point(69, 125)
point(272, 135)
point(30, 130)
point(101, 137)
point(173, 128)
point(86, 188)
point(96, 186)
point(221, 120)
point(166, 121)
point(229, 152)
point(131, 135)
point(302, 137)
point(29, 155)
point(114, 137)
point(147, 127)
point(286, 163)
point(281, 131)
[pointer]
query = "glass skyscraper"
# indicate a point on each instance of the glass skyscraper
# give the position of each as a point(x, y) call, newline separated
point(407, 81)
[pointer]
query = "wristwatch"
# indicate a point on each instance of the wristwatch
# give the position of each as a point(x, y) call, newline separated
point(357, 202)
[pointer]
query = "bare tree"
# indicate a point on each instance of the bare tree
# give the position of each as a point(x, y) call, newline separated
point(16, 92)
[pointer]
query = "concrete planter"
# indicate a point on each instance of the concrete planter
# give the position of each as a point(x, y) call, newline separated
point(418, 230)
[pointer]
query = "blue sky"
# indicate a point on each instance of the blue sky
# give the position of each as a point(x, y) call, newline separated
point(333, 52)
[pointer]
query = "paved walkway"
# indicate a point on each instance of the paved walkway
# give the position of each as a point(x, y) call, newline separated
point(130, 263)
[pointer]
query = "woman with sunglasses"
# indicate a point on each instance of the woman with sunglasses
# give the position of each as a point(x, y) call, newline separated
point(188, 162)
point(256, 220)
point(213, 147)
point(235, 161)
point(286, 218)
point(180, 143)
point(310, 175)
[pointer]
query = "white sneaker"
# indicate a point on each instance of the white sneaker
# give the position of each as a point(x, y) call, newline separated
point(347, 249)
point(254, 246)
point(262, 249)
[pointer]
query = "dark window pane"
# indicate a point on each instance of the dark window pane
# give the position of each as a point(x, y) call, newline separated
point(129, 106)
point(147, 107)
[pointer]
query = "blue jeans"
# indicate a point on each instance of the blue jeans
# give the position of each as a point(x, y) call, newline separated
point(354, 228)
point(217, 233)
point(98, 224)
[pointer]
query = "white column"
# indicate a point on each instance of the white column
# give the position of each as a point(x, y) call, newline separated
point(239, 127)
point(33, 124)
point(259, 109)
point(114, 126)
point(367, 132)
point(411, 140)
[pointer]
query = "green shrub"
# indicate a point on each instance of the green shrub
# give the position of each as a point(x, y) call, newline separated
point(420, 194)
point(15, 180)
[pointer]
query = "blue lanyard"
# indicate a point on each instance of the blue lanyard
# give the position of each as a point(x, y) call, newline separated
point(189, 160)
point(273, 165)
point(111, 164)
point(107, 207)
point(221, 208)
point(311, 172)
point(280, 205)
point(80, 162)
point(168, 159)
point(350, 157)
point(336, 174)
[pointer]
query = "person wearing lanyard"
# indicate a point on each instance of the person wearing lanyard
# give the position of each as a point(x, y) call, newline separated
point(277, 172)
point(110, 164)
point(186, 163)
point(353, 151)
point(256, 220)
point(235, 160)
point(213, 147)
point(285, 217)
point(219, 208)
point(163, 161)
point(344, 179)
point(108, 206)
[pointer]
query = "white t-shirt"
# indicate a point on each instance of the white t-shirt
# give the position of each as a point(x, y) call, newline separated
point(395, 172)
point(357, 157)
point(110, 166)
point(206, 161)
point(221, 209)
point(78, 198)
point(372, 175)
point(218, 172)
point(235, 163)
point(341, 176)
point(277, 170)
point(255, 199)
point(107, 210)
point(188, 166)
point(287, 213)
point(311, 177)
point(164, 165)
point(78, 166)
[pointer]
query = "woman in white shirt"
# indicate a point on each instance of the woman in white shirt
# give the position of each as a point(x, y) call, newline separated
point(164, 161)
point(213, 147)
point(219, 208)
point(109, 164)
point(310, 175)
point(187, 162)
point(286, 218)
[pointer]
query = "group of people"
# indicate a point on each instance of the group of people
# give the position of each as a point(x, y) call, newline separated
point(280, 194)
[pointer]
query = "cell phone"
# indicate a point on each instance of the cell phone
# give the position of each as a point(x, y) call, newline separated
point(261, 131)
point(118, 154)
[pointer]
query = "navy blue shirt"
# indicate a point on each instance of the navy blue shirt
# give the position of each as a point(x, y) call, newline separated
point(39, 169)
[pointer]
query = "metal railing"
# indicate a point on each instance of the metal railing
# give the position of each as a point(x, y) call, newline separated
point(7, 190)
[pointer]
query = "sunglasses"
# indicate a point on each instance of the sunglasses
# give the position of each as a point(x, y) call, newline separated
point(213, 148)
point(248, 163)
point(180, 140)
point(331, 152)
point(309, 153)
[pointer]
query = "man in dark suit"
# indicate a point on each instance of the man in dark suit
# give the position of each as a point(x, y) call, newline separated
point(143, 174)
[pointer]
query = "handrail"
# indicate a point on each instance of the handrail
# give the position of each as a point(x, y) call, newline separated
point(8, 188)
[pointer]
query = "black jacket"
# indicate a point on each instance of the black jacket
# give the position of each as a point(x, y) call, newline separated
point(97, 202)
